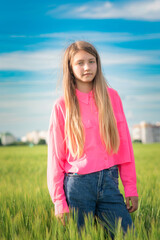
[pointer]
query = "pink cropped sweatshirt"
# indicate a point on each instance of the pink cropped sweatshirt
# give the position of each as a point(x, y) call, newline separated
point(95, 157)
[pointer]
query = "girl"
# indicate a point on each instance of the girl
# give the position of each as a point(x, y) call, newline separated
point(89, 142)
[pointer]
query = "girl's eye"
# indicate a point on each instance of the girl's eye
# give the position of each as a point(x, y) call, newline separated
point(80, 63)
point(92, 61)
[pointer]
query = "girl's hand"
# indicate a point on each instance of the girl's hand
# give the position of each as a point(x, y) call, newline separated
point(63, 217)
point(134, 202)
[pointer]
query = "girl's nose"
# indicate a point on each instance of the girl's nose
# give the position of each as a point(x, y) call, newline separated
point(86, 66)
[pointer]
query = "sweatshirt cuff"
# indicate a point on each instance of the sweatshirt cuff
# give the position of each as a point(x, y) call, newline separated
point(130, 191)
point(61, 207)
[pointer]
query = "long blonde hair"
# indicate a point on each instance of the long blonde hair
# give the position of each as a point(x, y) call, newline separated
point(74, 129)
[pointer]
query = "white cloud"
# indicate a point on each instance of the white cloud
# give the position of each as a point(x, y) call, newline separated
point(101, 36)
point(30, 61)
point(141, 107)
point(18, 36)
point(129, 115)
point(25, 106)
point(112, 37)
point(141, 82)
point(136, 10)
point(146, 98)
point(114, 56)
point(28, 96)
point(12, 82)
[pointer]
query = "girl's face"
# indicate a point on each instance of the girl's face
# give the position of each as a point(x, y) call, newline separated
point(84, 67)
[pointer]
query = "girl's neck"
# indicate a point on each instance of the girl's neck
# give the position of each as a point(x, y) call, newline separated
point(86, 88)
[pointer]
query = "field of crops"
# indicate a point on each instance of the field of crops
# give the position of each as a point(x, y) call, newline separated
point(26, 210)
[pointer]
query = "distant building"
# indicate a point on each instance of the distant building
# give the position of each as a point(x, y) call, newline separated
point(7, 138)
point(35, 137)
point(44, 135)
point(146, 132)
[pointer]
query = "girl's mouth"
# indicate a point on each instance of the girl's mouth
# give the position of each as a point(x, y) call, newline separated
point(87, 74)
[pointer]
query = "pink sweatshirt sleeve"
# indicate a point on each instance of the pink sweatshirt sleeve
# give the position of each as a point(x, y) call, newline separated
point(55, 165)
point(127, 170)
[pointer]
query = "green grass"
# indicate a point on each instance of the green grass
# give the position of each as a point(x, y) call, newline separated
point(26, 210)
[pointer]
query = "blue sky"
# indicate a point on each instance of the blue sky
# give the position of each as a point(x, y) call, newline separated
point(34, 34)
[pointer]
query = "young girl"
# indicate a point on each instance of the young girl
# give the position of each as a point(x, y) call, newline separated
point(89, 142)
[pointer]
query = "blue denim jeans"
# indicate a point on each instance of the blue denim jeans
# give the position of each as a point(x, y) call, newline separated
point(97, 193)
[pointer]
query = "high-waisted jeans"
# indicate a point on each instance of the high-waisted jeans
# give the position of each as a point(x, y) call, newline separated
point(97, 193)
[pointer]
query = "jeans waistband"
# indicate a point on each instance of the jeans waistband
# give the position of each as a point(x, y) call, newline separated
point(106, 169)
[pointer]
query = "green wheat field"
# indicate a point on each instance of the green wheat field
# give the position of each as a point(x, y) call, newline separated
point(27, 212)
